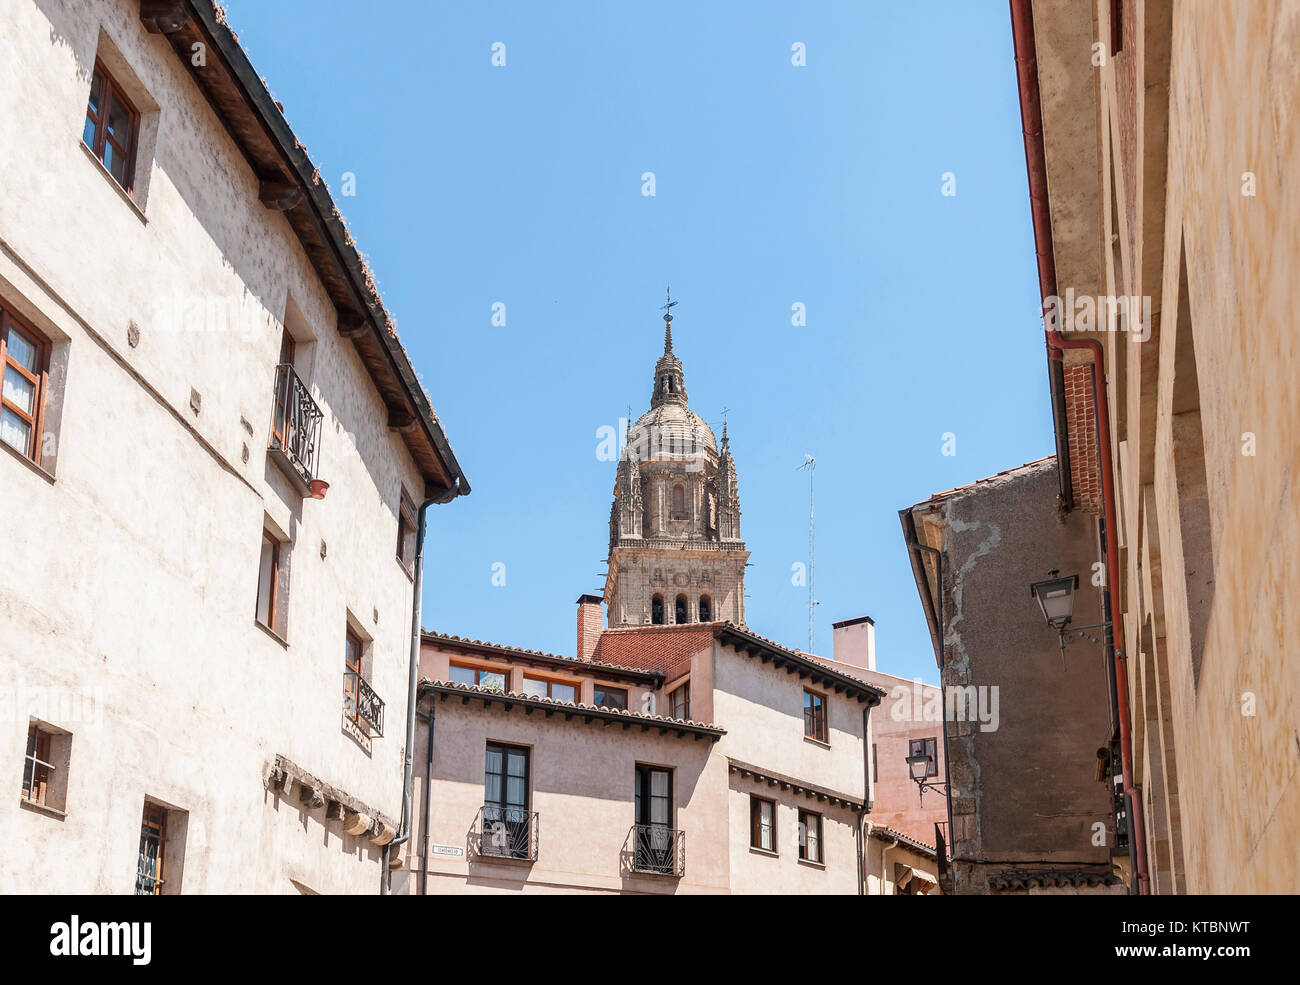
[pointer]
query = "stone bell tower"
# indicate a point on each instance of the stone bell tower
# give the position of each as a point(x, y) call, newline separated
point(675, 553)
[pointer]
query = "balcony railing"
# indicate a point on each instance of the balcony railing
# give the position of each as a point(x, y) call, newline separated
point(658, 849)
point(361, 704)
point(507, 832)
point(295, 428)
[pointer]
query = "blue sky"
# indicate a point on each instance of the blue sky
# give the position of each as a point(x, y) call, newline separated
point(774, 184)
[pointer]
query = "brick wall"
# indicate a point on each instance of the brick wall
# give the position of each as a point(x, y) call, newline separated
point(665, 649)
point(589, 625)
point(1081, 415)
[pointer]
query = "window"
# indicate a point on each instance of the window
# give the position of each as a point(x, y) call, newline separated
point(680, 701)
point(507, 824)
point(539, 687)
point(406, 530)
point(112, 127)
point(657, 610)
point(611, 697)
point(678, 508)
point(162, 850)
point(45, 779)
point(269, 600)
point(356, 691)
point(680, 607)
point(655, 840)
point(654, 795)
point(762, 824)
point(491, 680)
point(928, 748)
point(810, 836)
point(24, 355)
point(706, 609)
point(814, 716)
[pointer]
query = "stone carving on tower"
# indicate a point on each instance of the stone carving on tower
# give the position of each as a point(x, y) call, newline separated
point(675, 553)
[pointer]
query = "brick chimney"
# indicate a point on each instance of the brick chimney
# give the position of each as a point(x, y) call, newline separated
point(590, 624)
point(855, 642)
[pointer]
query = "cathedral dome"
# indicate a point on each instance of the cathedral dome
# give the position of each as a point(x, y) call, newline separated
point(671, 431)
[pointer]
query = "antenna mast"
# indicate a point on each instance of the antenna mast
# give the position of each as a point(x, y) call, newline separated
point(810, 464)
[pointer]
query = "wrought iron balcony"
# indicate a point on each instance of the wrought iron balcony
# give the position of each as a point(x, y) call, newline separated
point(295, 429)
point(361, 704)
point(507, 832)
point(659, 850)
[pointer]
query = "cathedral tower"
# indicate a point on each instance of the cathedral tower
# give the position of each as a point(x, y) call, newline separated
point(675, 553)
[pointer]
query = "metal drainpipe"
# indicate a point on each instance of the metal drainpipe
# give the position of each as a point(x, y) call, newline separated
point(428, 783)
point(408, 769)
point(943, 687)
point(1031, 117)
point(884, 854)
point(867, 801)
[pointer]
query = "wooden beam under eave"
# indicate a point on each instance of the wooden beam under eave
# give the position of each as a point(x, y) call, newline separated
point(164, 16)
point(402, 421)
point(351, 324)
point(279, 194)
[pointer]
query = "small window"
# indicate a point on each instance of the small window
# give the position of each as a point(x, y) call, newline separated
point(24, 356)
point(540, 687)
point(678, 508)
point(270, 600)
point(680, 607)
point(680, 701)
point(706, 609)
point(162, 851)
point(45, 779)
point(814, 716)
point(354, 679)
point(810, 836)
point(112, 128)
point(928, 748)
point(406, 530)
point(611, 697)
point(762, 824)
point(657, 610)
point(491, 680)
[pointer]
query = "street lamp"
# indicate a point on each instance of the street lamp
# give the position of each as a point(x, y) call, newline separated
point(1055, 597)
point(918, 766)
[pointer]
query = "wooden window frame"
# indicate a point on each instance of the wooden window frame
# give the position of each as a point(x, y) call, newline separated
point(503, 672)
point(111, 94)
point(685, 690)
point(627, 696)
point(407, 526)
point(506, 748)
point(352, 690)
point(158, 876)
point(642, 795)
point(40, 380)
point(928, 747)
point(272, 624)
point(756, 804)
point(38, 765)
point(551, 683)
point(814, 717)
point(804, 856)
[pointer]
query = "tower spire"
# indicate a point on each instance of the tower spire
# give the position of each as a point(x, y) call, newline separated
point(668, 321)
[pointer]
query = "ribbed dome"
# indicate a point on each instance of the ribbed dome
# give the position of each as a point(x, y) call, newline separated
point(671, 430)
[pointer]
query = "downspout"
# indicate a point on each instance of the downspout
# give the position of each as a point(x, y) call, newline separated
point(915, 545)
point(1022, 28)
point(412, 697)
point(868, 802)
point(884, 855)
point(424, 827)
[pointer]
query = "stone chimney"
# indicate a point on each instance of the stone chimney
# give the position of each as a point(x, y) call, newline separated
point(855, 642)
point(589, 624)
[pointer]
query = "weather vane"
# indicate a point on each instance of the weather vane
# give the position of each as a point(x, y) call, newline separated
point(667, 309)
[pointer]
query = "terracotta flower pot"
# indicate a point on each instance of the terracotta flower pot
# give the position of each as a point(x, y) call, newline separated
point(318, 488)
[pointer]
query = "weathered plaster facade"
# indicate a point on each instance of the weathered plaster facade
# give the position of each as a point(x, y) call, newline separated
point(127, 599)
point(1026, 801)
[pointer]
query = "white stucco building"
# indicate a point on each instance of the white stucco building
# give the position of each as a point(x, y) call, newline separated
point(203, 665)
